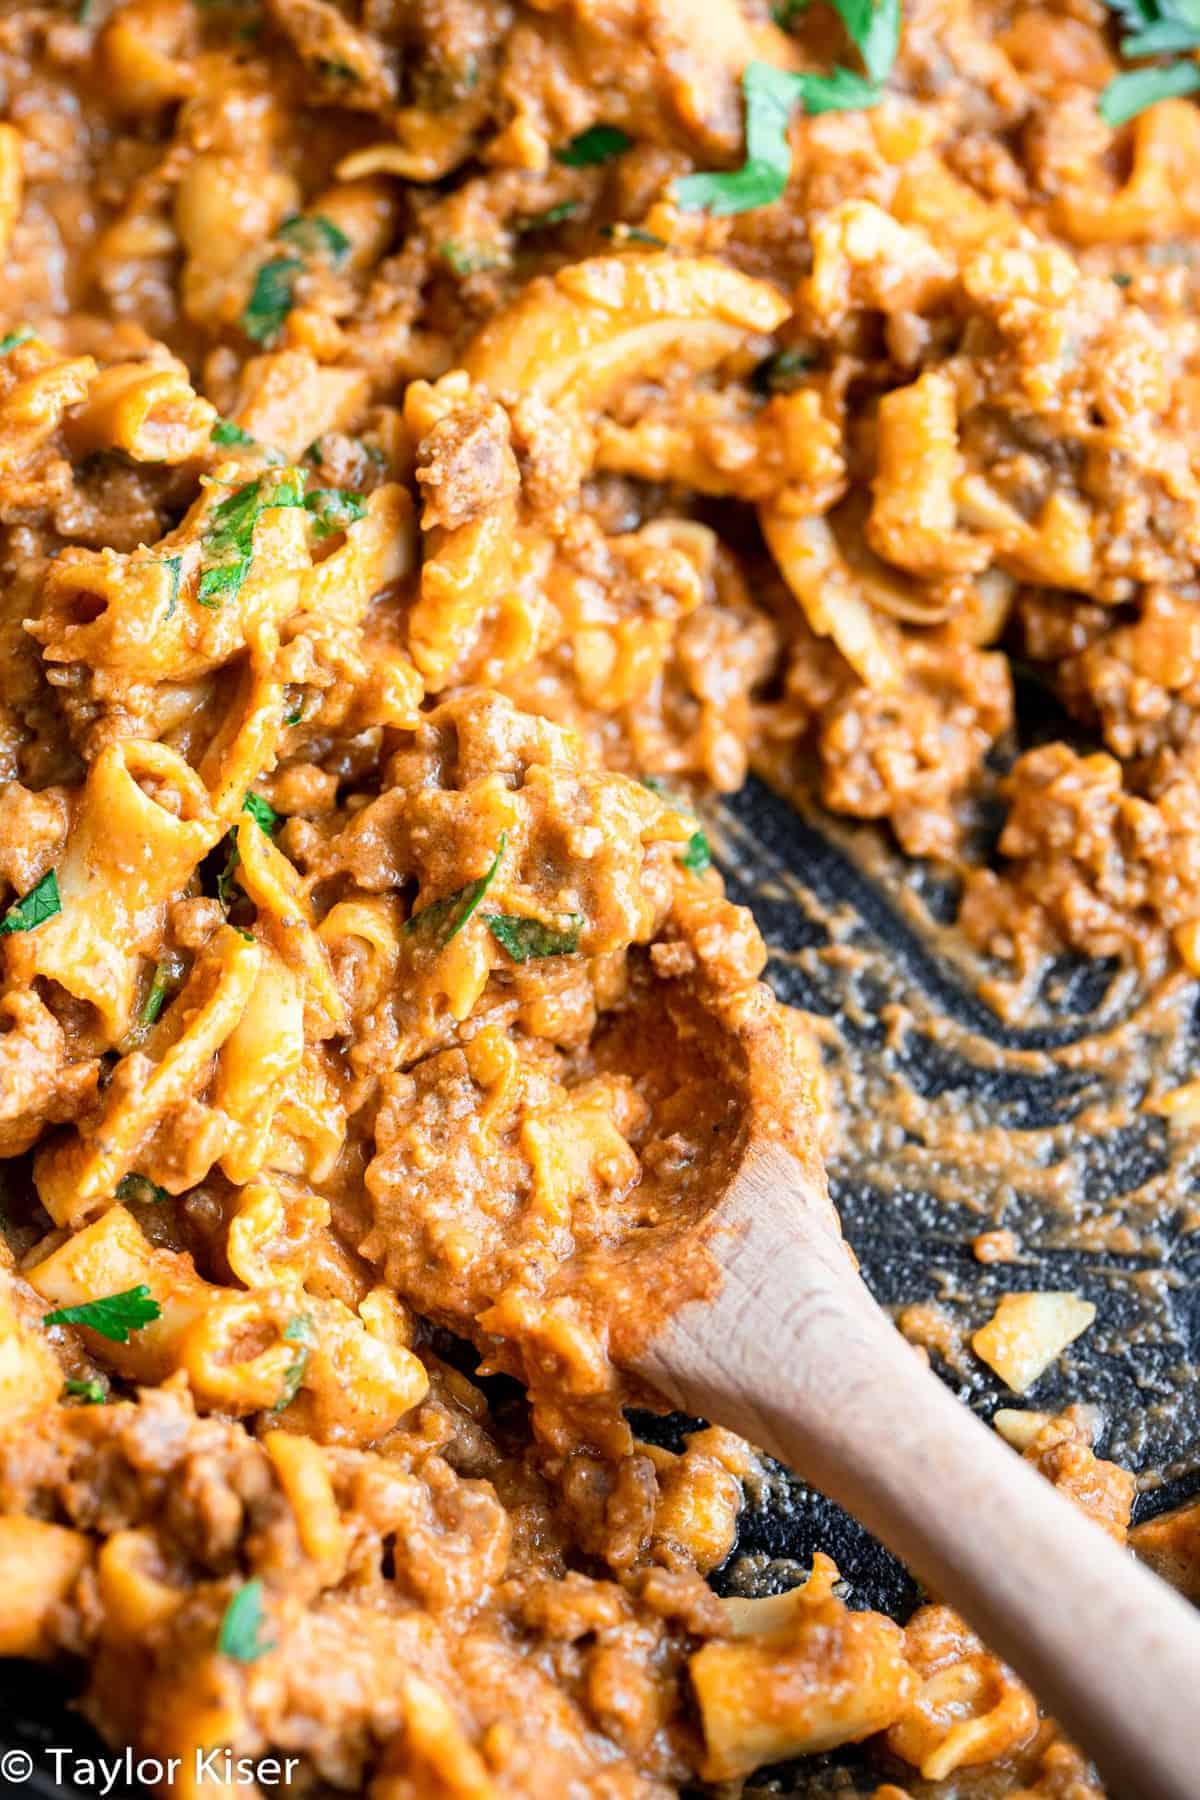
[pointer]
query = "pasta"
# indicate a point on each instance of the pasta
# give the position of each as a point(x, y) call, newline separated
point(439, 443)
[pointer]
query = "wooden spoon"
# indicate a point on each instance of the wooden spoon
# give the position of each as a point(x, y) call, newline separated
point(787, 1347)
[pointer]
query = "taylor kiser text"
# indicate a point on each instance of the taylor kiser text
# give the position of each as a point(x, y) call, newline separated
point(115, 1774)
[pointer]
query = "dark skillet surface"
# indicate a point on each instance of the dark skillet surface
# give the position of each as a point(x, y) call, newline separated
point(913, 1245)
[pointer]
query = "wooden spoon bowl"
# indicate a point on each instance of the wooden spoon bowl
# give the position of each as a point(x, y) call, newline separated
point(751, 1313)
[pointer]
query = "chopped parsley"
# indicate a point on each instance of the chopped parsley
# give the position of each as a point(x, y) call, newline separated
point(42, 902)
point(226, 432)
point(156, 999)
point(1153, 28)
point(91, 1393)
point(772, 94)
point(271, 298)
point(12, 339)
point(333, 509)
point(336, 71)
point(174, 567)
point(780, 373)
point(598, 144)
point(525, 939)
point(141, 1190)
point(874, 31)
point(315, 235)
point(266, 818)
point(229, 533)
point(697, 856)
point(261, 811)
point(553, 215)
point(469, 259)
point(1129, 94)
point(297, 1331)
point(633, 234)
point(115, 1317)
point(443, 919)
point(1121, 279)
point(240, 1636)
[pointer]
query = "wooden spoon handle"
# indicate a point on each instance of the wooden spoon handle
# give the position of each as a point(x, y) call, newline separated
point(793, 1354)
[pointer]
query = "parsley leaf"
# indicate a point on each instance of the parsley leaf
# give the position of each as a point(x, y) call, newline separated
point(12, 339)
point(297, 1331)
point(781, 373)
point(770, 96)
point(271, 298)
point(92, 1393)
point(469, 259)
point(598, 144)
point(226, 432)
point(261, 811)
point(229, 533)
point(333, 509)
point(553, 215)
point(315, 235)
point(34, 908)
point(266, 818)
point(443, 919)
point(874, 28)
point(632, 234)
point(114, 1317)
point(141, 1190)
point(697, 856)
point(525, 939)
point(1131, 93)
point(240, 1636)
point(216, 584)
point(157, 997)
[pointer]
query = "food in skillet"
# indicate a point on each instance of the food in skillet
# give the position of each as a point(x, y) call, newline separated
point(438, 442)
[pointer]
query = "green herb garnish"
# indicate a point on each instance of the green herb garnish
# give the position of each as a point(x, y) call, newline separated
point(874, 28)
point(240, 1636)
point(261, 811)
point(315, 235)
point(697, 856)
point(771, 95)
point(156, 999)
point(598, 144)
point(633, 234)
point(443, 919)
point(271, 298)
point(229, 533)
point(1129, 94)
point(1153, 28)
point(333, 509)
point(297, 1331)
point(525, 939)
point(266, 818)
point(114, 1317)
point(92, 1393)
point(553, 215)
point(11, 339)
point(781, 373)
point(42, 902)
point(141, 1190)
point(469, 259)
point(226, 432)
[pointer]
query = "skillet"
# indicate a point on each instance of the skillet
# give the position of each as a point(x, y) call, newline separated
point(976, 1122)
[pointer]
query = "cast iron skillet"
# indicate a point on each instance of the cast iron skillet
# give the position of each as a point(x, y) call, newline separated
point(912, 1245)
